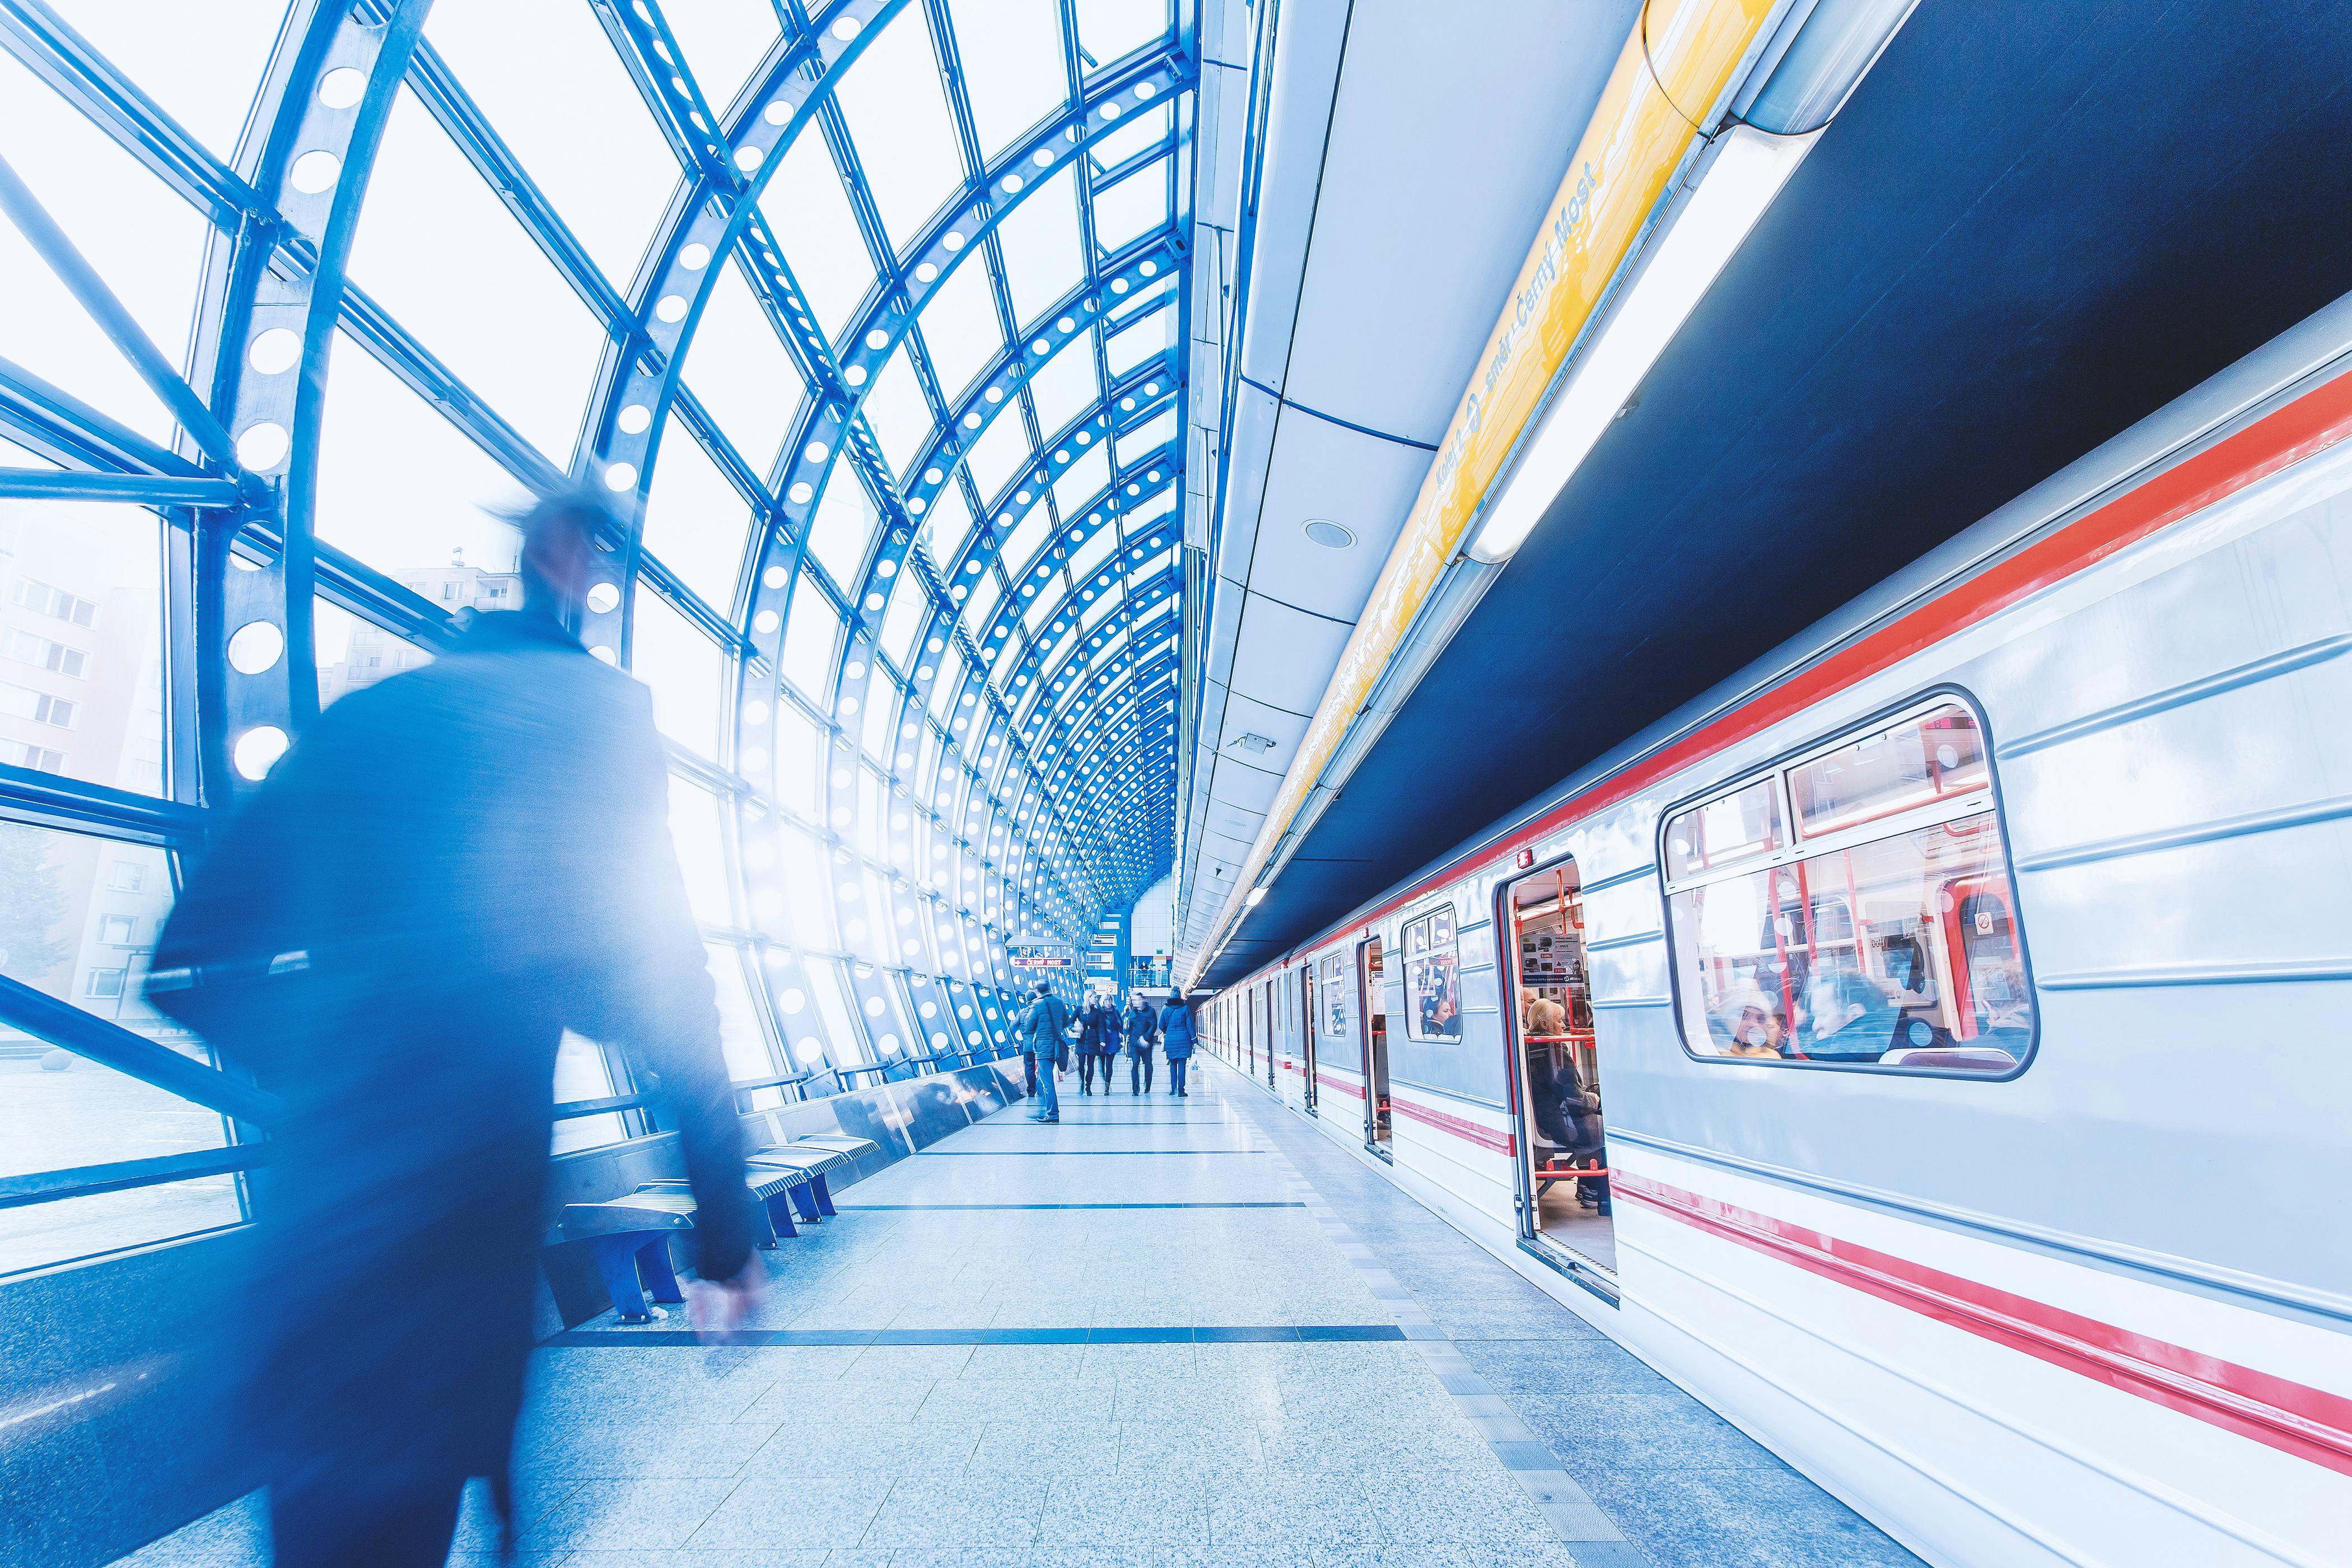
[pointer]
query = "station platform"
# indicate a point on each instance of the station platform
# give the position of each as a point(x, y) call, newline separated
point(1183, 1331)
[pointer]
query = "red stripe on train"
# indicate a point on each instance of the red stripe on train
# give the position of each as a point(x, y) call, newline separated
point(1343, 1085)
point(2308, 1423)
point(1485, 1137)
point(2317, 420)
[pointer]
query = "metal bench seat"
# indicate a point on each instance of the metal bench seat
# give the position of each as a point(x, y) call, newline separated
point(812, 1161)
point(629, 1238)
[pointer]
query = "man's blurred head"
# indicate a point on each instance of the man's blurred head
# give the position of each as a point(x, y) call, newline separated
point(558, 551)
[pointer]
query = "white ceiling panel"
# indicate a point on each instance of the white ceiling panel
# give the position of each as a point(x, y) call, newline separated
point(1421, 221)
point(1323, 471)
point(1283, 657)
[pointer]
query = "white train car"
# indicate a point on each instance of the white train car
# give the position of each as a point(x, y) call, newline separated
point(1966, 995)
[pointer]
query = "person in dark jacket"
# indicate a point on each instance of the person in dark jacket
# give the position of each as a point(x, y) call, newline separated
point(1143, 1029)
point(1176, 1038)
point(1042, 1028)
point(1569, 1114)
point(449, 870)
point(1098, 1036)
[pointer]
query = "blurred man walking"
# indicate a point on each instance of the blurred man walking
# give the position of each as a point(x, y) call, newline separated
point(450, 869)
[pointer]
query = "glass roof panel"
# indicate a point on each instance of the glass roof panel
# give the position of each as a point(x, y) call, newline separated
point(1149, 436)
point(443, 254)
point(1066, 386)
point(1042, 260)
point(1143, 128)
point(1020, 549)
point(899, 121)
point(723, 40)
point(1090, 554)
point(1132, 208)
point(198, 62)
point(909, 606)
point(146, 243)
point(1012, 56)
point(1000, 452)
point(1126, 349)
point(808, 208)
point(809, 633)
point(899, 412)
point(738, 367)
point(845, 519)
point(1112, 30)
point(696, 522)
point(546, 76)
point(959, 327)
point(945, 524)
point(682, 667)
point(982, 604)
point(1085, 479)
point(427, 508)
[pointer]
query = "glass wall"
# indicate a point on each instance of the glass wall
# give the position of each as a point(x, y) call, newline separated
point(869, 330)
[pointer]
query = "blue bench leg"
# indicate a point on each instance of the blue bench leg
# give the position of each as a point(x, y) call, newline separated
point(780, 1215)
point(617, 1260)
point(823, 1196)
point(661, 1280)
point(804, 1199)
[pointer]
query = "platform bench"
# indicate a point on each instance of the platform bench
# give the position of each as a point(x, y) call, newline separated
point(819, 1155)
point(629, 1238)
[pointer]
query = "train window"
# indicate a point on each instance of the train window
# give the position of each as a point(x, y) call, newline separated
point(1331, 988)
point(1887, 937)
point(1433, 983)
point(1726, 831)
point(1939, 755)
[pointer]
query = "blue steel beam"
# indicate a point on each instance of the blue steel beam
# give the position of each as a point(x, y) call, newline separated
point(59, 427)
point(144, 490)
point(122, 329)
point(53, 51)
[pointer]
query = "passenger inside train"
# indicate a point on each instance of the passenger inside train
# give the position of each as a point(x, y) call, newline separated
point(1852, 907)
point(1560, 1119)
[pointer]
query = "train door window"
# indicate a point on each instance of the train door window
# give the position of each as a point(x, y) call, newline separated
point(1882, 933)
point(1432, 978)
point(1371, 1005)
point(1273, 1028)
point(1558, 1073)
point(1303, 998)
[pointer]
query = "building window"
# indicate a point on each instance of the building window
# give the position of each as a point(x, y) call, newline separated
point(55, 603)
point(1432, 979)
point(43, 653)
point(38, 707)
point(117, 930)
point(24, 754)
point(104, 984)
point(126, 877)
point(1880, 932)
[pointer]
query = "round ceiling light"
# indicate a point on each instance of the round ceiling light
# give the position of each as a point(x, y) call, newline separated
point(1329, 534)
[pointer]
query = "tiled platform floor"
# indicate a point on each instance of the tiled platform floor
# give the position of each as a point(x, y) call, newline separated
point(1002, 1437)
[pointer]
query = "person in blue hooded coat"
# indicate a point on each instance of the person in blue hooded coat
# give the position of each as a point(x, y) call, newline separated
point(449, 870)
point(1176, 1041)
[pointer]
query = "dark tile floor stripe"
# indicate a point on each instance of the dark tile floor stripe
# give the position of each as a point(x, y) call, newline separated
point(847, 1207)
point(1057, 1154)
point(1271, 1333)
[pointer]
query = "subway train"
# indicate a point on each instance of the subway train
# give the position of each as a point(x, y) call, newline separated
point(1960, 999)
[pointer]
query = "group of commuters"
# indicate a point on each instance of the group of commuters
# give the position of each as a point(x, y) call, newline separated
point(1048, 1032)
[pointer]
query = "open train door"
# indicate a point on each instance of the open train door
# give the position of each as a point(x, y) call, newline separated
point(1373, 1023)
point(1565, 1219)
